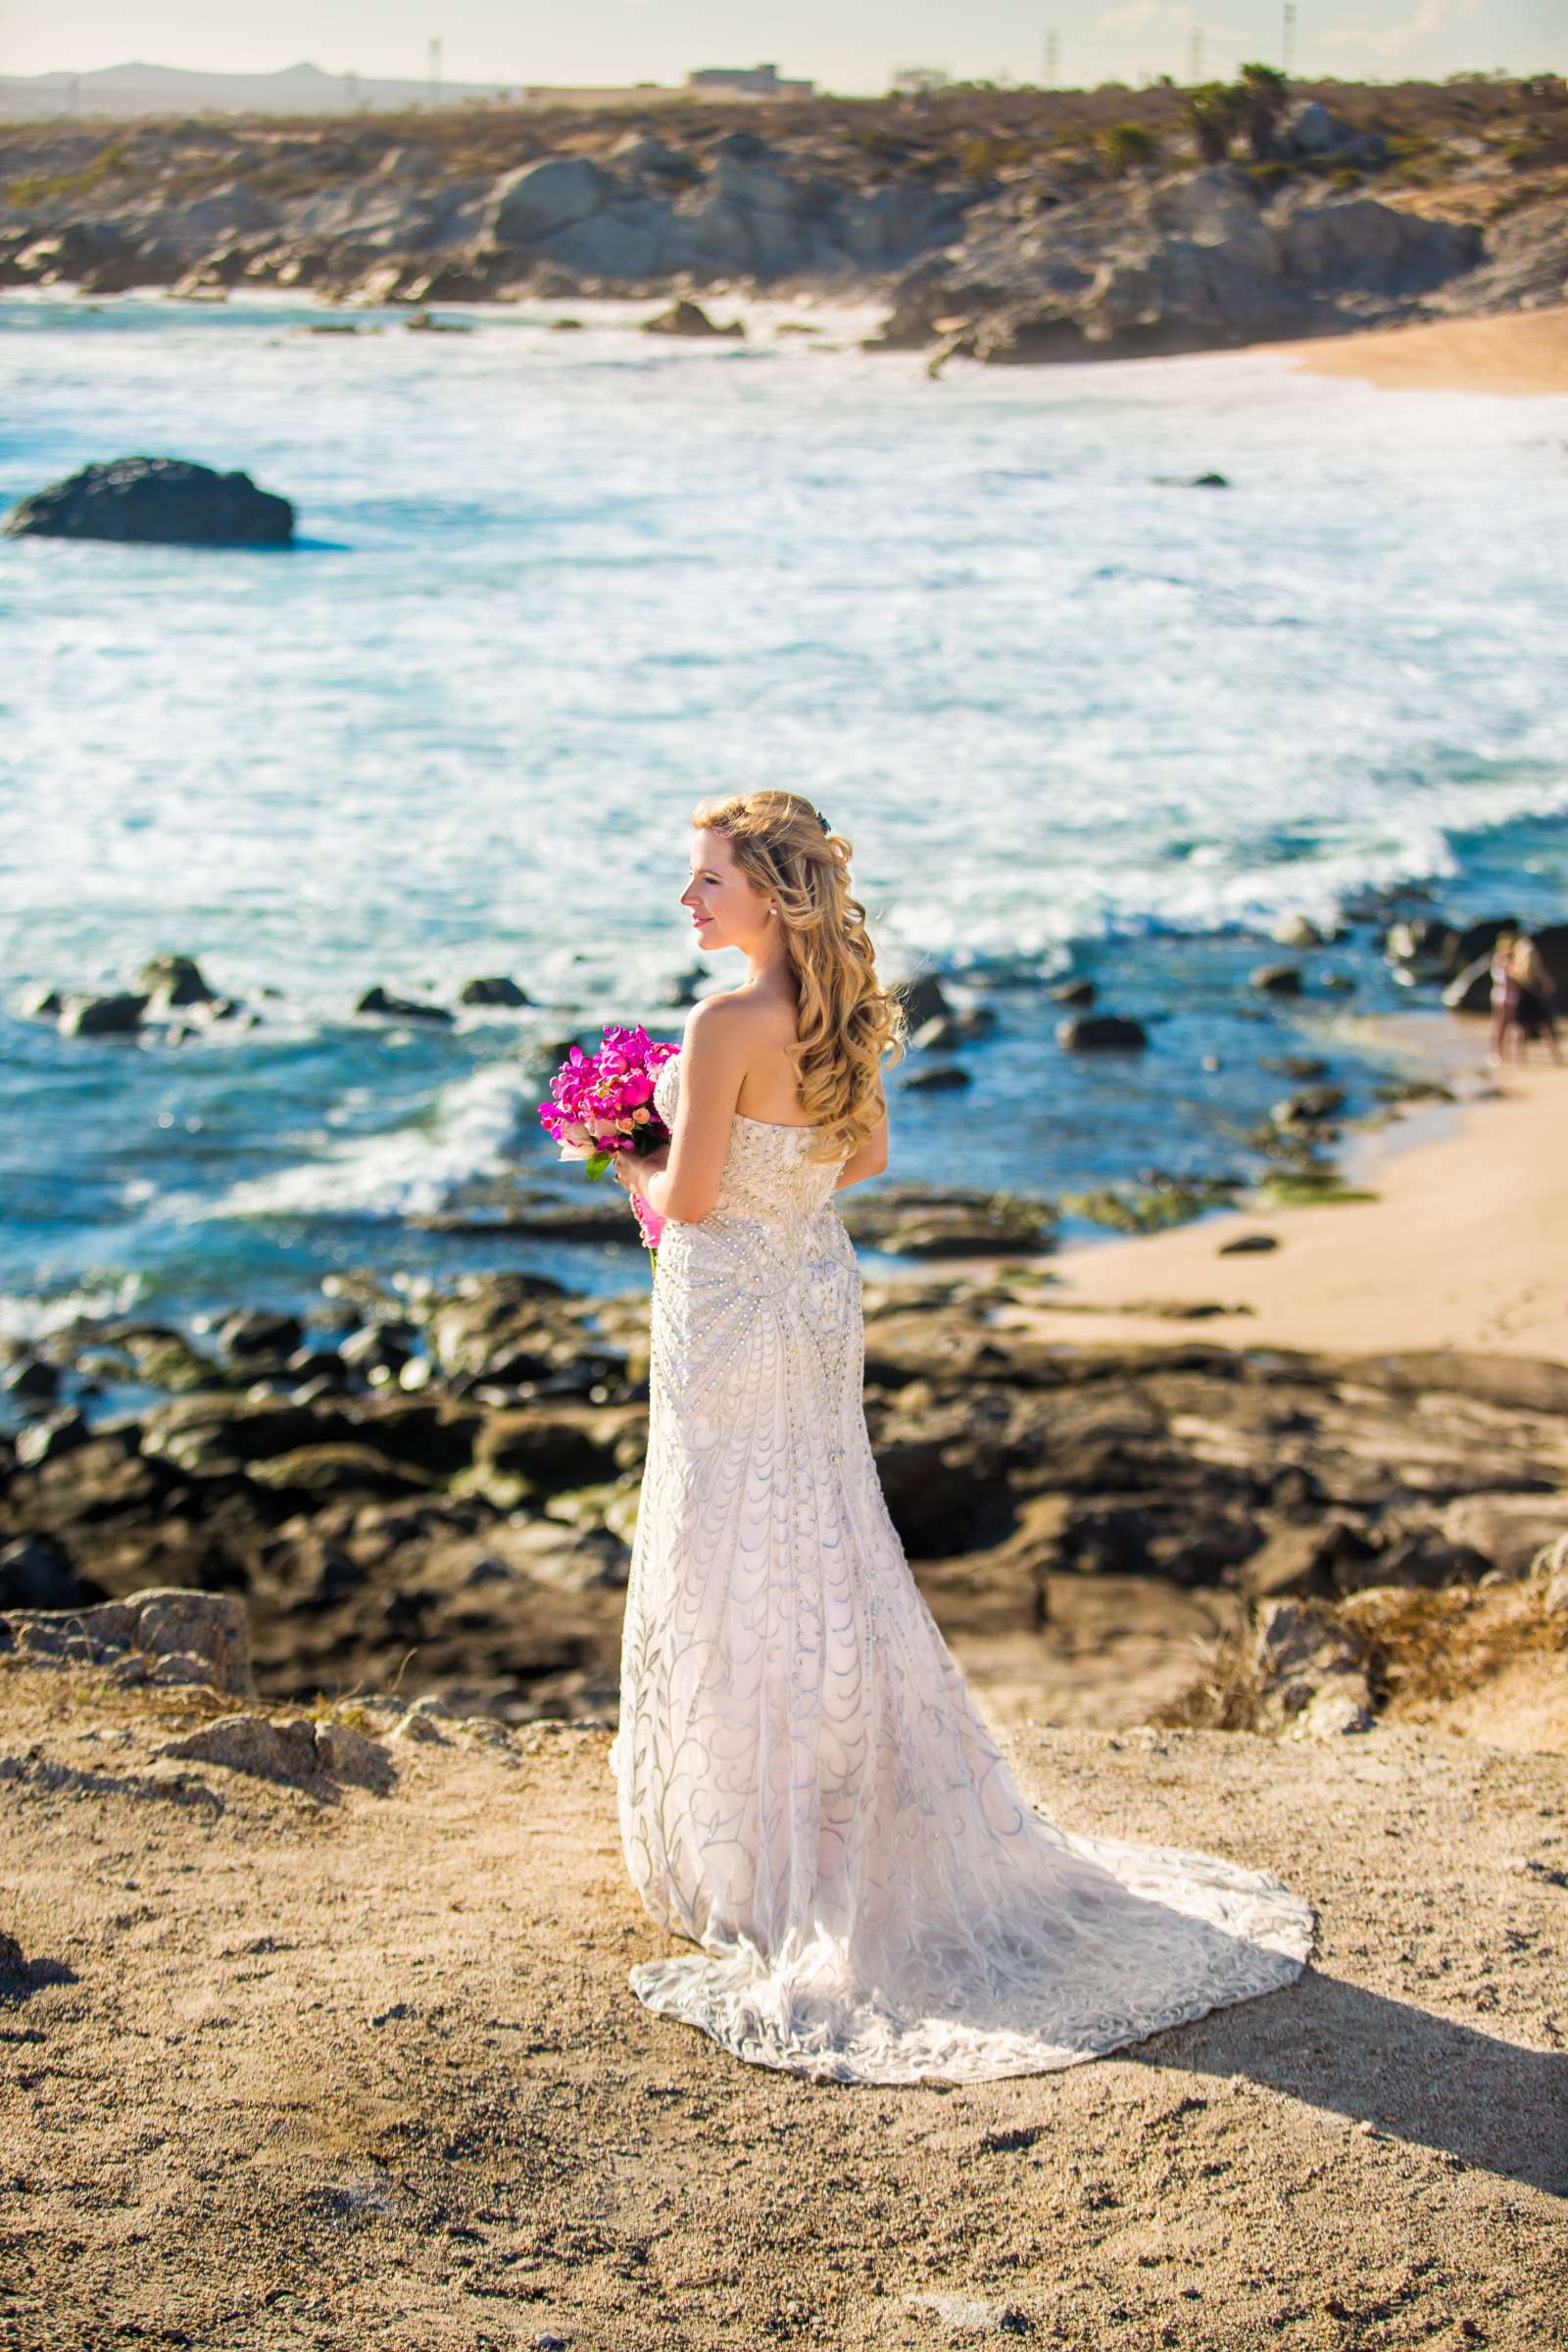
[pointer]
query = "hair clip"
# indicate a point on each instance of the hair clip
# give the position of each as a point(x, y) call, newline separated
point(823, 821)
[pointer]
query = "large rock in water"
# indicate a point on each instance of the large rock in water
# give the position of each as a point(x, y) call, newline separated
point(167, 500)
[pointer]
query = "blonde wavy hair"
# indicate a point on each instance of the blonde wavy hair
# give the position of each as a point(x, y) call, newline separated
point(847, 1021)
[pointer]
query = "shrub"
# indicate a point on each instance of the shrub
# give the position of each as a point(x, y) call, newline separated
point(1128, 146)
point(982, 155)
point(1263, 90)
point(1214, 109)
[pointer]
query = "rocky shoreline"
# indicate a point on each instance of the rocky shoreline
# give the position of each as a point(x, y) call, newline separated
point(439, 1495)
point(1006, 227)
point(435, 1484)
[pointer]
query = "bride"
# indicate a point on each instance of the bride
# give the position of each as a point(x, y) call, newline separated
point(806, 1790)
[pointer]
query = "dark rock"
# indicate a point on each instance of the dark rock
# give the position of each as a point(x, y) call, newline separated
point(336, 1469)
point(46, 1440)
point(912, 1220)
point(538, 1450)
point(922, 1000)
point(260, 1335)
point(1422, 940)
point(936, 1078)
point(38, 1575)
point(1414, 1090)
point(31, 1377)
point(320, 1371)
point(164, 499)
point(166, 1359)
point(102, 1016)
point(502, 1329)
point(377, 1000)
point(102, 1478)
point(689, 318)
point(1321, 1558)
point(953, 1029)
point(169, 980)
point(1209, 481)
point(1101, 1033)
point(1277, 979)
point(1309, 1106)
point(1074, 992)
point(1427, 1562)
point(378, 1346)
point(1166, 1201)
point(215, 1435)
point(494, 990)
point(1247, 1245)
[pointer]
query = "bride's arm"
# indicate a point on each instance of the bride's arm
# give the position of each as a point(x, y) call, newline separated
point(712, 1064)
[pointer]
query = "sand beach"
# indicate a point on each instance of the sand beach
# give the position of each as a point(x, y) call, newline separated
point(1522, 354)
point(1461, 1244)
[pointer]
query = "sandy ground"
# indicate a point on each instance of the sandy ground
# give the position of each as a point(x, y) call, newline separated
point(1464, 1245)
point(327, 2068)
point(1523, 355)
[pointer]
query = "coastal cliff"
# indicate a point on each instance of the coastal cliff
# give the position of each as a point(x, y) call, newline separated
point(318, 2031)
point(1008, 226)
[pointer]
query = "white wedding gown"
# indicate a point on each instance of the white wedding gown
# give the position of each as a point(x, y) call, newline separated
point(806, 1790)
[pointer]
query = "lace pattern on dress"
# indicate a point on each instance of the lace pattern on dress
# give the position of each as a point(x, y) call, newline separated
point(806, 1790)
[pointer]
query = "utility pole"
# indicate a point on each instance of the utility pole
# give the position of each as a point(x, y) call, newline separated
point(1195, 63)
point(1289, 43)
point(1053, 52)
point(435, 71)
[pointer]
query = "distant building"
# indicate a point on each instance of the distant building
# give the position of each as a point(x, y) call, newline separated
point(748, 81)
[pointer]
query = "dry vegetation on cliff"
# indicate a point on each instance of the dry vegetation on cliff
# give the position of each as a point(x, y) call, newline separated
point(295, 2062)
point(1001, 225)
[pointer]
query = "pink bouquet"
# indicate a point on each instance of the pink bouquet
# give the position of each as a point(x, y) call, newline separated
point(603, 1102)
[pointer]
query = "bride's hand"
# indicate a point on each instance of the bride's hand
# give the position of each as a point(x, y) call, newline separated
point(631, 1170)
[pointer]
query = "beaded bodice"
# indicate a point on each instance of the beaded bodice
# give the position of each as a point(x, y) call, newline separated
point(769, 1179)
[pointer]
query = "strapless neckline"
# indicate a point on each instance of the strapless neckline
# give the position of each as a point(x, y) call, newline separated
point(785, 1126)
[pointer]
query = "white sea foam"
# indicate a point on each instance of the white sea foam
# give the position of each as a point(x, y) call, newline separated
point(469, 1134)
point(25, 1320)
point(561, 586)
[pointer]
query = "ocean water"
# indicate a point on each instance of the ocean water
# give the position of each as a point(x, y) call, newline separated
point(552, 588)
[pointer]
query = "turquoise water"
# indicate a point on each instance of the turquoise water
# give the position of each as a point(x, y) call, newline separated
point(552, 588)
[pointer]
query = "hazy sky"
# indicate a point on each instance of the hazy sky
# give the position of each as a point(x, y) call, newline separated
point(844, 48)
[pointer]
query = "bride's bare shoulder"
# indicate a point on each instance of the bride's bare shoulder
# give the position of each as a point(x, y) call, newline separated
point(730, 1017)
